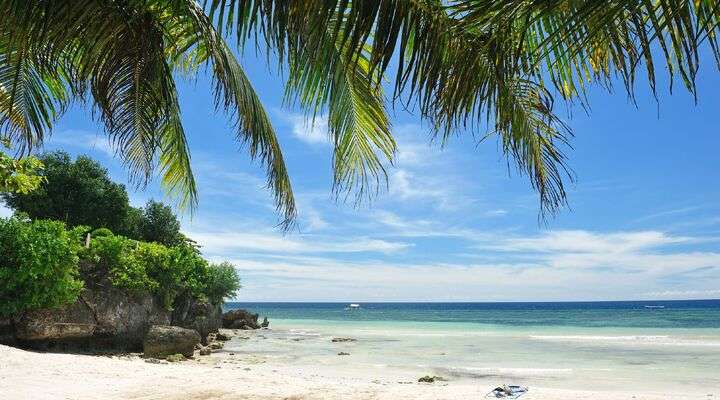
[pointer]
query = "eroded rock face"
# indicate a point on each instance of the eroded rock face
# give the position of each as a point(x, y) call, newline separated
point(106, 318)
point(163, 340)
point(71, 322)
point(240, 319)
point(100, 319)
point(202, 316)
point(123, 318)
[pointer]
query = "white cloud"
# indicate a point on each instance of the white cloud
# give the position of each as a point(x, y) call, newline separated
point(227, 242)
point(564, 265)
point(579, 241)
point(293, 278)
point(684, 294)
point(495, 213)
point(309, 130)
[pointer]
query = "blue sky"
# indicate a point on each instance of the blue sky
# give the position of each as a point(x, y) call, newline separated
point(456, 224)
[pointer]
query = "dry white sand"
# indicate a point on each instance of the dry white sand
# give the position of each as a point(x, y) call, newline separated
point(26, 375)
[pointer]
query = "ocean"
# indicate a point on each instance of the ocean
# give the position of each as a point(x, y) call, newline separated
point(663, 346)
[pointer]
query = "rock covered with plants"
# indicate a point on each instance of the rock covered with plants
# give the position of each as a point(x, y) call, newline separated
point(66, 283)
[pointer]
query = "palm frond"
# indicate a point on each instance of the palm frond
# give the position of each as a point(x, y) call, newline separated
point(30, 99)
point(359, 126)
point(235, 95)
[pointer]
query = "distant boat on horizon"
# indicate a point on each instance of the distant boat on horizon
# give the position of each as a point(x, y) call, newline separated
point(353, 306)
point(654, 306)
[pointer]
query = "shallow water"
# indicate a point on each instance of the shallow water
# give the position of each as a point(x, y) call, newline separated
point(597, 346)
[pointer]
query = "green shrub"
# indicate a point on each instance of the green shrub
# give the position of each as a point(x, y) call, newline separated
point(39, 265)
point(222, 281)
point(191, 267)
point(167, 272)
point(101, 232)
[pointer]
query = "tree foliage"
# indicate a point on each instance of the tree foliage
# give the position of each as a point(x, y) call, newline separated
point(76, 192)
point(168, 272)
point(19, 175)
point(80, 192)
point(38, 267)
point(222, 282)
point(467, 65)
point(159, 224)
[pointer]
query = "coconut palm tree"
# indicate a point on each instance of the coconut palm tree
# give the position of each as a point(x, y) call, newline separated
point(492, 66)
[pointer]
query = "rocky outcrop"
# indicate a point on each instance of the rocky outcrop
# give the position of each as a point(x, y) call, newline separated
point(123, 318)
point(202, 316)
point(105, 317)
point(241, 319)
point(101, 318)
point(162, 341)
point(72, 322)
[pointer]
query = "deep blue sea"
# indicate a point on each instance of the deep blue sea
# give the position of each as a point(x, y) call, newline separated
point(637, 314)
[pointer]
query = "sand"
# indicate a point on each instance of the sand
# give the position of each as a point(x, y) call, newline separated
point(36, 376)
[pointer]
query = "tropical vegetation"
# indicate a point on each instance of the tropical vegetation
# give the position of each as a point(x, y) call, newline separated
point(81, 193)
point(489, 67)
point(19, 175)
point(45, 265)
point(39, 266)
point(49, 254)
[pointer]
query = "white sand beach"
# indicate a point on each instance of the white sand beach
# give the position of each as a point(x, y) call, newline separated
point(26, 375)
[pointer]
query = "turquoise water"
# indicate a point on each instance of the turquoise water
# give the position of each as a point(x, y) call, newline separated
point(597, 346)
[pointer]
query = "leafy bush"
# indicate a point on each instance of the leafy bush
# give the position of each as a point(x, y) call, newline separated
point(167, 272)
point(19, 175)
point(101, 232)
point(222, 281)
point(39, 265)
point(192, 267)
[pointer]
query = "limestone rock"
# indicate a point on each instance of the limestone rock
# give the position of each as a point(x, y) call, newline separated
point(204, 317)
point(240, 319)
point(72, 322)
point(431, 379)
point(175, 358)
point(163, 340)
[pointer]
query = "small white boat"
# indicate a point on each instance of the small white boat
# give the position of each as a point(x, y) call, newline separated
point(353, 306)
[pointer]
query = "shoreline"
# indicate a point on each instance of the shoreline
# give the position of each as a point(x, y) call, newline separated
point(228, 375)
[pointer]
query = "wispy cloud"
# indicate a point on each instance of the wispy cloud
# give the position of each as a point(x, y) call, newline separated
point(684, 294)
point(80, 139)
point(293, 278)
point(228, 242)
point(308, 130)
point(668, 213)
point(580, 241)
